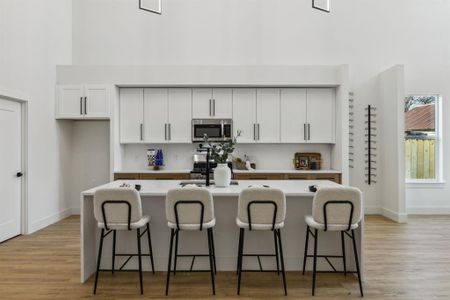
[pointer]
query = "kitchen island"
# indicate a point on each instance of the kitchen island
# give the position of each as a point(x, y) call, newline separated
point(226, 233)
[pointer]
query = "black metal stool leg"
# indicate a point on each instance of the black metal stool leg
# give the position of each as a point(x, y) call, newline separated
point(355, 250)
point(213, 251)
point(239, 249)
point(176, 253)
point(343, 253)
point(150, 248)
point(211, 260)
point(100, 248)
point(282, 261)
point(276, 251)
point(172, 234)
point(240, 258)
point(114, 251)
point(305, 255)
point(138, 231)
point(316, 237)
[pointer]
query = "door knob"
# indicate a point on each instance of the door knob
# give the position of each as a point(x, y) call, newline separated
point(19, 174)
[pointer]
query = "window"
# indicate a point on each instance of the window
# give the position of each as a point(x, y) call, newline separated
point(422, 138)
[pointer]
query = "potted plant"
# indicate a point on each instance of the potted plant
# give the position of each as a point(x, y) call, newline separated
point(221, 152)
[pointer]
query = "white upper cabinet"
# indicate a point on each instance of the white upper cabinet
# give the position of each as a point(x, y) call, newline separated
point(179, 115)
point(155, 115)
point(131, 116)
point(293, 116)
point(321, 115)
point(268, 115)
point(214, 103)
point(308, 115)
point(82, 102)
point(244, 115)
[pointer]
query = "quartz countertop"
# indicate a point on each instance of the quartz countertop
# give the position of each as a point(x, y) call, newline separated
point(184, 171)
point(291, 188)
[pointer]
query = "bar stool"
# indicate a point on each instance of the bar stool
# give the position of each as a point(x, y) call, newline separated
point(192, 209)
point(334, 209)
point(120, 209)
point(261, 208)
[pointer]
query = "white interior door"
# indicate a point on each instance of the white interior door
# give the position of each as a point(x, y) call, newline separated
point(10, 166)
point(293, 115)
point(155, 115)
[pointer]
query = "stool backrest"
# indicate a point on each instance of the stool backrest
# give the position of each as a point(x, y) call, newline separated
point(117, 206)
point(189, 205)
point(262, 206)
point(337, 206)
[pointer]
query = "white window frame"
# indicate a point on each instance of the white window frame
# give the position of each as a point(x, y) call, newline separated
point(438, 181)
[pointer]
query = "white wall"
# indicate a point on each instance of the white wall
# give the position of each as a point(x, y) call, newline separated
point(370, 36)
point(267, 156)
point(89, 162)
point(35, 36)
point(390, 118)
point(433, 198)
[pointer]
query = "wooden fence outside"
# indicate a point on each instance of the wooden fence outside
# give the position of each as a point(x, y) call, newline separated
point(420, 155)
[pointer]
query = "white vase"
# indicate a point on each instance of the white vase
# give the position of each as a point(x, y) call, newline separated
point(222, 175)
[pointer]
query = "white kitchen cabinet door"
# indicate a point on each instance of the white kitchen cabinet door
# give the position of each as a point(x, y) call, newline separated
point(70, 102)
point(96, 101)
point(202, 103)
point(155, 115)
point(222, 105)
point(268, 115)
point(244, 115)
point(180, 117)
point(293, 115)
point(131, 115)
point(321, 115)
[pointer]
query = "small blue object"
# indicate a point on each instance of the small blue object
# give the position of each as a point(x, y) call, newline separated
point(159, 158)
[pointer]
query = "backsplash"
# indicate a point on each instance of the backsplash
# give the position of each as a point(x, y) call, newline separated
point(267, 156)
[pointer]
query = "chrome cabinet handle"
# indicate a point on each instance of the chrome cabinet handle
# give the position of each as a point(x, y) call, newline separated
point(165, 132)
point(309, 132)
point(85, 105)
point(254, 131)
point(214, 107)
point(142, 129)
point(170, 131)
point(259, 136)
point(304, 132)
point(81, 105)
point(210, 107)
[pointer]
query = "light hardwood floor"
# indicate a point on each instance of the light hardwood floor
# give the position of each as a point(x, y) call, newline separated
point(403, 261)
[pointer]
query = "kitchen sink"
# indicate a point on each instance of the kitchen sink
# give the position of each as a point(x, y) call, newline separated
point(202, 183)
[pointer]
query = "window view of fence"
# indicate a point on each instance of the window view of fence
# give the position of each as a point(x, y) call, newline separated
point(420, 137)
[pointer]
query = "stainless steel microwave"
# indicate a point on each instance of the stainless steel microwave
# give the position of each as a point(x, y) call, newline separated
point(217, 130)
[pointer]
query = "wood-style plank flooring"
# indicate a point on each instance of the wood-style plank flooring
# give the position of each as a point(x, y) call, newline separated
point(403, 261)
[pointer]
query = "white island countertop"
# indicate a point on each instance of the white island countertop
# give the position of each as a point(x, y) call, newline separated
point(256, 171)
point(292, 188)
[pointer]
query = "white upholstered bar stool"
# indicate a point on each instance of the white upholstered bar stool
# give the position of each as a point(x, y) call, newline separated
point(334, 209)
point(120, 209)
point(190, 208)
point(261, 208)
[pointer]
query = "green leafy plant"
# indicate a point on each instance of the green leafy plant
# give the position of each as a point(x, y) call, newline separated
point(221, 151)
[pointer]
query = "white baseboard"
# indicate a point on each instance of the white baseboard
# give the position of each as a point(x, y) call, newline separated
point(429, 210)
point(75, 211)
point(372, 210)
point(399, 218)
point(46, 221)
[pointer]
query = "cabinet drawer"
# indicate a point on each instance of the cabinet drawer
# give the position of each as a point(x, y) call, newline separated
point(297, 176)
point(324, 176)
point(124, 176)
point(164, 176)
point(260, 176)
